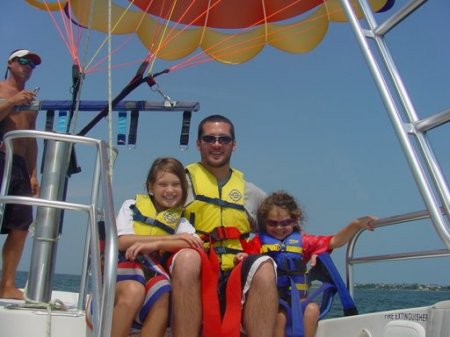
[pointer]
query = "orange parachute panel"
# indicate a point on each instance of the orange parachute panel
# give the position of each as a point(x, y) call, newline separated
point(229, 31)
point(229, 14)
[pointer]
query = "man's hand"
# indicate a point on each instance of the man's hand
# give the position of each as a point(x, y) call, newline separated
point(35, 188)
point(24, 97)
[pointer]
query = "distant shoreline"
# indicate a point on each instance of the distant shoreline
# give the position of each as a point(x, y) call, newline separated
point(402, 286)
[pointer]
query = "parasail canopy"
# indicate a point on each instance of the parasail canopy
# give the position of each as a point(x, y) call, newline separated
point(229, 31)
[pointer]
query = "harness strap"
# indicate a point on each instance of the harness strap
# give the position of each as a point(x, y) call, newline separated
point(219, 202)
point(122, 128)
point(328, 291)
point(229, 326)
point(297, 328)
point(185, 126)
point(132, 133)
point(63, 122)
point(138, 216)
point(50, 117)
point(348, 304)
point(332, 283)
point(223, 233)
point(210, 301)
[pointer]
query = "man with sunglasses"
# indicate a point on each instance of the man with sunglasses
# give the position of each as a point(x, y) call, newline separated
point(222, 206)
point(17, 218)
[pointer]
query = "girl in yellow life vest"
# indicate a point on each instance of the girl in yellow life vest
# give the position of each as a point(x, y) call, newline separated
point(147, 226)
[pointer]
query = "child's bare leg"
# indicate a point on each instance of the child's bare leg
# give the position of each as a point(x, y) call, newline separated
point(129, 298)
point(280, 324)
point(310, 319)
point(155, 323)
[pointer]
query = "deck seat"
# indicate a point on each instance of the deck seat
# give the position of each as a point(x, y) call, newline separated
point(439, 319)
point(402, 328)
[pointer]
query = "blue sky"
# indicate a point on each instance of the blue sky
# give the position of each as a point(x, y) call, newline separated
point(312, 124)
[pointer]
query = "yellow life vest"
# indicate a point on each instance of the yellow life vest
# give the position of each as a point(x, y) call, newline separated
point(147, 221)
point(217, 212)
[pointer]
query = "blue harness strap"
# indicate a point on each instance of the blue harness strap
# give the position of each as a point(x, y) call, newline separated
point(294, 312)
point(331, 272)
point(122, 128)
point(332, 283)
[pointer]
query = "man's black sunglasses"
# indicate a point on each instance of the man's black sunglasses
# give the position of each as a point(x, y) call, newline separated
point(221, 139)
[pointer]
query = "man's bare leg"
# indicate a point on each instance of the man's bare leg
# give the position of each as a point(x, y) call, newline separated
point(11, 254)
point(261, 305)
point(186, 294)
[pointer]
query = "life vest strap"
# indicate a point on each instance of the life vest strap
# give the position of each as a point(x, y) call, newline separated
point(138, 216)
point(226, 250)
point(221, 250)
point(276, 247)
point(219, 202)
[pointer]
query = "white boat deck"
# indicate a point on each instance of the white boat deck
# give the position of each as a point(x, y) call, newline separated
point(428, 321)
point(18, 321)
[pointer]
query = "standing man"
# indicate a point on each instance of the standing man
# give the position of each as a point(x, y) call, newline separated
point(222, 207)
point(17, 218)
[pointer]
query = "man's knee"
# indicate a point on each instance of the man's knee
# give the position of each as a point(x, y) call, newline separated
point(186, 264)
point(265, 273)
point(16, 234)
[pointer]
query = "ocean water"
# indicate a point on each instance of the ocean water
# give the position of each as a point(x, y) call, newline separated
point(368, 298)
point(372, 300)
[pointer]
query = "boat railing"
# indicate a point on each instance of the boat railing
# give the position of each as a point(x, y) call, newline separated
point(45, 237)
point(351, 260)
point(411, 130)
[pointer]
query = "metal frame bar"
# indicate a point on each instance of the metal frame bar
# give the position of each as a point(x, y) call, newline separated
point(389, 221)
point(105, 291)
point(441, 224)
point(398, 103)
point(121, 106)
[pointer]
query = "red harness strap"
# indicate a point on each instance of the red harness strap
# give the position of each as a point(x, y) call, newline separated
point(231, 324)
point(213, 325)
point(211, 319)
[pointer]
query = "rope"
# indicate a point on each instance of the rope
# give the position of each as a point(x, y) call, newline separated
point(33, 232)
point(110, 105)
point(55, 305)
